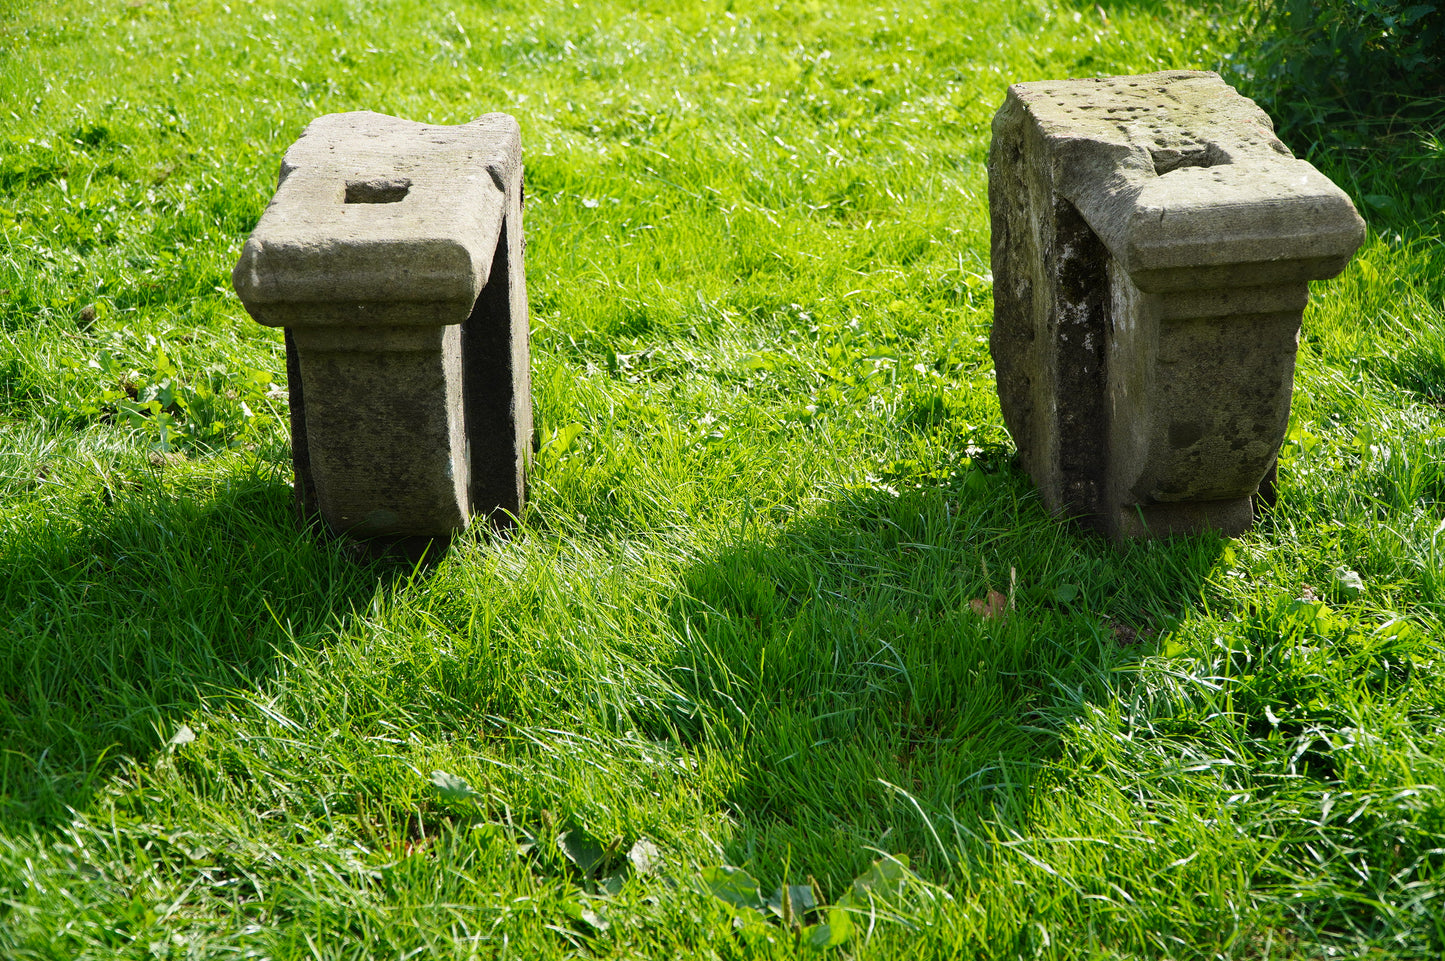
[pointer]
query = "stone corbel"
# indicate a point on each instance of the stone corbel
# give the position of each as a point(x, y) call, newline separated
point(391, 254)
point(1152, 247)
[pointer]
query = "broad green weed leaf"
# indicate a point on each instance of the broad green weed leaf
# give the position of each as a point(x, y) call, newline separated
point(560, 441)
point(1348, 584)
point(452, 788)
point(1304, 442)
point(645, 857)
point(1399, 629)
point(800, 902)
point(583, 850)
point(831, 933)
point(588, 914)
point(883, 881)
point(733, 885)
point(1381, 202)
point(486, 834)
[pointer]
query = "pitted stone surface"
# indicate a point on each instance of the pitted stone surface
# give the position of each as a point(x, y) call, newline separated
point(392, 254)
point(1178, 170)
point(1152, 243)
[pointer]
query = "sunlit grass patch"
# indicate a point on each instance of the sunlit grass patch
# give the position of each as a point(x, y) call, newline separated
point(785, 656)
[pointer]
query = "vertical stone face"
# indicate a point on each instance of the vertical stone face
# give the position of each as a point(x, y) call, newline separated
point(392, 255)
point(1152, 247)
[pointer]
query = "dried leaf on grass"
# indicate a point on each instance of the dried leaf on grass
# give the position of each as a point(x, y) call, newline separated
point(1126, 635)
point(994, 605)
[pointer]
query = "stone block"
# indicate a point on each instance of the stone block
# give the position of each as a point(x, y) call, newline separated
point(1152, 244)
point(391, 254)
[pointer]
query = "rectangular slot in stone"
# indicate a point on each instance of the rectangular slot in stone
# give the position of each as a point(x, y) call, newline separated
point(406, 332)
point(1169, 157)
point(1152, 247)
point(378, 191)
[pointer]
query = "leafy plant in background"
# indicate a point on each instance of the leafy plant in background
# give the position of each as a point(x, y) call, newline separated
point(1318, 59)
point(1350, 81)
point(1333, 69)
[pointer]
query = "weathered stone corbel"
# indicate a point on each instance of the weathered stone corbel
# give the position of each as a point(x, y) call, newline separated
point(392, 255)
point(1152, 247)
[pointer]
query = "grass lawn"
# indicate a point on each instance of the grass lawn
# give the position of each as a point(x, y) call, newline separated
point(730, 656)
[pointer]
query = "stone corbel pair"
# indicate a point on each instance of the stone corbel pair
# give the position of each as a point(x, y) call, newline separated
point(1152, 247)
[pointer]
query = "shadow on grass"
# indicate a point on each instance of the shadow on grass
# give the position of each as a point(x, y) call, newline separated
point(874, 694)
point(157, 598)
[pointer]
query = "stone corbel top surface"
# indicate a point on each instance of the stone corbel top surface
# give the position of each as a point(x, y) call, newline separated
point(372, 209)
point(1177, 173)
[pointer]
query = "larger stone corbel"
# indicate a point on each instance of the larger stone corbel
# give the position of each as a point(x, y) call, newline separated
point(1152, 247)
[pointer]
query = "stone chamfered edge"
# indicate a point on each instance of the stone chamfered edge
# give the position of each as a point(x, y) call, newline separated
point(392, 254)
point(1166, 200)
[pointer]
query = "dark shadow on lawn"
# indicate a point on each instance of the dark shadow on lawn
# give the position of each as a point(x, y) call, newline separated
point(876, 695)
point(117, 629)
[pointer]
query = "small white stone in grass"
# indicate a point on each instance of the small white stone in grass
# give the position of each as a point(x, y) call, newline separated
point(645, 857)
point(1348, 584)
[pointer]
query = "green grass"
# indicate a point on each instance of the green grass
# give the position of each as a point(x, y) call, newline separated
point(734, 628)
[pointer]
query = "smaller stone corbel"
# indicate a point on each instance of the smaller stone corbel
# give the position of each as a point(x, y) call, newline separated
point(391, 254)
